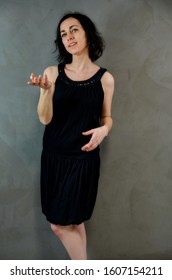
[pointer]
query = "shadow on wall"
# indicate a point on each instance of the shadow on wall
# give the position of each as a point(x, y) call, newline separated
point(132, 214)
point(15, 198)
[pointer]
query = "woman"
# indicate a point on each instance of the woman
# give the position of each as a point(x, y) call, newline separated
point(75, 105)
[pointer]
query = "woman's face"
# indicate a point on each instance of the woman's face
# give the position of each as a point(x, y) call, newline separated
point(73, 36)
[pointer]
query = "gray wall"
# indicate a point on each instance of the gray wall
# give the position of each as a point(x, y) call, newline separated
point(132, 218)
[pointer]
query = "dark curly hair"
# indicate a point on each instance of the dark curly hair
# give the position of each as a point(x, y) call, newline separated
point(95, 41)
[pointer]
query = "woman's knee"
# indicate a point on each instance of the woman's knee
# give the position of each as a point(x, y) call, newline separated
point(56, 229)
point(61, 230)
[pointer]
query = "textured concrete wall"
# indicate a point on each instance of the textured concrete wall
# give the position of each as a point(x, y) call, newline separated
point(132, 218)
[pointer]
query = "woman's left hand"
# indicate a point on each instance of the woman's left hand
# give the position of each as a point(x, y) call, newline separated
point(98, 134)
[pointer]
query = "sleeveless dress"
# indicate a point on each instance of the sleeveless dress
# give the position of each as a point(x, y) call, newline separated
point(69, 176)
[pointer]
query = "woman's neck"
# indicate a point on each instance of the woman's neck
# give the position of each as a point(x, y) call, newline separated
point(81, 63)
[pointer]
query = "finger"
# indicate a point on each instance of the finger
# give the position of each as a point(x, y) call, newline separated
point(85, 148)
point(32, 76)
point(40, 78)
point(89, 146)
point(31, 84)
point(89, 132)
point(34, 80)
point(45, 80)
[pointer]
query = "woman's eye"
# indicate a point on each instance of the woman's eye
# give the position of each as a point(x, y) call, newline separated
point(74, 30)
point(63, 35)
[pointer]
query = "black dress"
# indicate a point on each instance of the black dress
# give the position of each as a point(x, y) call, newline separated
point(69, 176)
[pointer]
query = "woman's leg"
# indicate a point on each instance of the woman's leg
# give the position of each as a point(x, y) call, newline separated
point(73, 238)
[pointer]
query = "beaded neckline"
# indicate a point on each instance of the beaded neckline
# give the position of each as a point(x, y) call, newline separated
point(87, 82)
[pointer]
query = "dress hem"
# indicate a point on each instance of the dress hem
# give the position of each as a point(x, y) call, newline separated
point(66, 223)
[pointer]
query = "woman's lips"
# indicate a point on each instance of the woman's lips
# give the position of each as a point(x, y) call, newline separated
point(72, 44)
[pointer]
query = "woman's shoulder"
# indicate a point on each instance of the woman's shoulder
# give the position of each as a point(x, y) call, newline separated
point(51, 69)
point(108, 79)
point(51, 72)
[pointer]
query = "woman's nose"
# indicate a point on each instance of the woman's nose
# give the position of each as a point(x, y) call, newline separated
point(70, 36)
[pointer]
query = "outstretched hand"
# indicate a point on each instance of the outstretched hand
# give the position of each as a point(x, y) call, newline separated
point(98, 134)
point(39, 81)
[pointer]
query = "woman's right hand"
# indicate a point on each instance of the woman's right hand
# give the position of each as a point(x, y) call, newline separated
point(40, 81)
